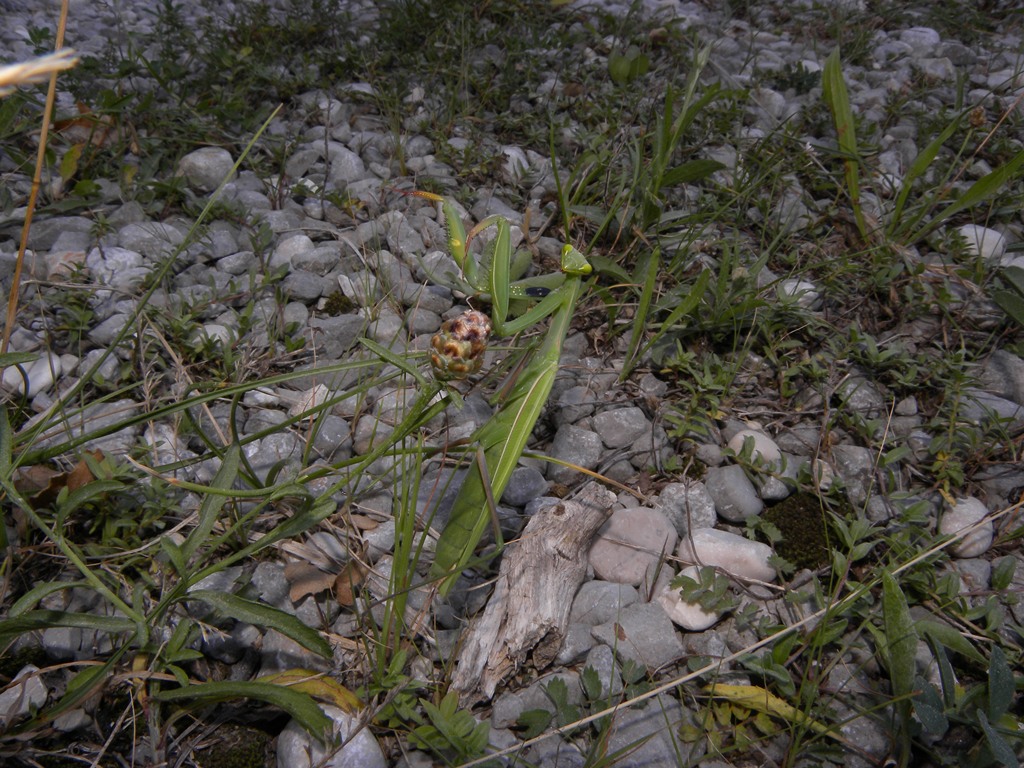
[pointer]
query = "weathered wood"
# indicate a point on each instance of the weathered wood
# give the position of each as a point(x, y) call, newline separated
point(527, 616)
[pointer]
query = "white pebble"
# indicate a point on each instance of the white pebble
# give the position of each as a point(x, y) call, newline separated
point(964, 514)
point(765, 448)
point(732, 553)
point(689, 616)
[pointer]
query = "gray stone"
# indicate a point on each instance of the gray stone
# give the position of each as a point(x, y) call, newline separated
point(279, 653)
point(333, 434)
point(333, 337)
point(121, 269)
point(93, 419)
point(574, 404)
point(855, 466)
point(642, 633)
point(598, 602)
point(303, 286)
point(24, 695)
point(621, 427)
point(577, 446)
point(862, 396)
point(204, 169)
point(734, 494)
point(631, 544)
point(296, 748)
point(688, 505)
point(1003, 375)
point(984, 408)
point(269, 580)
point(525, 485)
point(238, 263)
point(987, 244)
point(648, 736)
point(150, 238)
point(966, 513)
point(320, 260)
point(601, 659)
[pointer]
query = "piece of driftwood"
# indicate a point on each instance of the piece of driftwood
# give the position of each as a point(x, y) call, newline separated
point(527, 616)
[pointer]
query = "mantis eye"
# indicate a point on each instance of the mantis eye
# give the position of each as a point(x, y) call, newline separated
point(574, 262)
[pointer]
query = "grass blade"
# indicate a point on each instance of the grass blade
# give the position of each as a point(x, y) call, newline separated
point(257, 613)
point(980, 191)
point(838, 100)
point(212, 504)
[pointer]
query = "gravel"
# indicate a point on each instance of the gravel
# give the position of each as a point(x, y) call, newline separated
point(377, 267)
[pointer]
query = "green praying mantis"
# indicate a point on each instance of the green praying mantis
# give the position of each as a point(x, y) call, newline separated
point(457, 351)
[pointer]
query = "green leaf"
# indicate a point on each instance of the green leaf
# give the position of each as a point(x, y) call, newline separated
point(591, 682)
point(1001, 751)
point(689, 172)
point(209, 511)
point(949, 637)
point(1011, 304)
point(297, 704)
point(69, 162)
point(29, 600)
point(929, 709)
point(1001, 684)
point(263, 615)
point(1014, 277)
point(17, 358)
point(533, 722)
point(1002, 572)
point(901, 642)
point(31, 621)
point(984, 188)
point(836, 96)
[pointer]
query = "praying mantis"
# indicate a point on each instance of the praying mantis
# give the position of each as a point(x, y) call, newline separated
point(457, 352)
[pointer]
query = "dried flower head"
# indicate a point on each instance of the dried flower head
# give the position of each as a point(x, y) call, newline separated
point(457, 350)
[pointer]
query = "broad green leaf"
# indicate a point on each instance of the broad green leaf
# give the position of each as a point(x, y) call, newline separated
point(295, 703)
point(837, 98)
point(901, 644)
point(929, 709)
point(17, 358)
point(1002, 572)
point(689, 172)
point(1001, 751)
point(949, 637)
point(252, 612)
point(1001, 684)
point(1011, 304)
point(1014, 276)
point(69, 162)
point(900, 636)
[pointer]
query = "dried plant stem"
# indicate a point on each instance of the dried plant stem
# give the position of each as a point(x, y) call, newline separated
point(44, 129)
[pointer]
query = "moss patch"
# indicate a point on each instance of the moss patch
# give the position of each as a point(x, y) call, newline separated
point(801, 520)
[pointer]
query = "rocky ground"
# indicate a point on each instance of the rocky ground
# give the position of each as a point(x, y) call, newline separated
point(900, 414)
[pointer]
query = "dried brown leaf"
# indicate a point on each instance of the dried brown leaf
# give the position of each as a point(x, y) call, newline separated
point(306, 579)
point(351, 576)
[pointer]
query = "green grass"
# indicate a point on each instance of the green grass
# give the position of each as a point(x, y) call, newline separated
point(689, 255)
